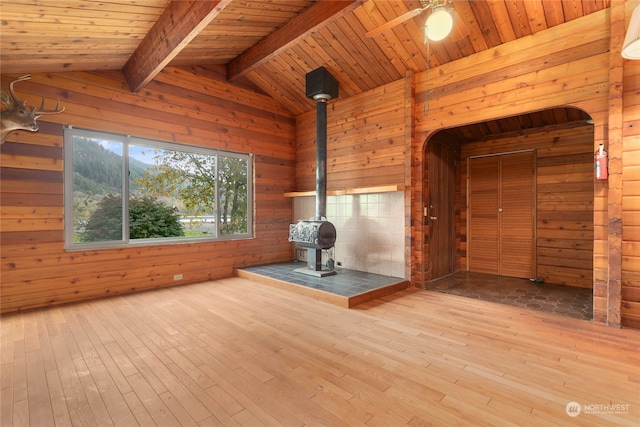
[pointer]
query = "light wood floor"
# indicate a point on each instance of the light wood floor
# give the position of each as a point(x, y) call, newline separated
point(234, 352)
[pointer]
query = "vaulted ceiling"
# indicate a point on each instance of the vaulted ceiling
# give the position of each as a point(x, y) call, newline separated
point(270, 44)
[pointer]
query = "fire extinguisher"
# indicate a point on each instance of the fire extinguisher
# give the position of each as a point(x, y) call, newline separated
point(602, 163)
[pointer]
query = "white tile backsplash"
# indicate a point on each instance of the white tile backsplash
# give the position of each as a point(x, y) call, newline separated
point(369, 227)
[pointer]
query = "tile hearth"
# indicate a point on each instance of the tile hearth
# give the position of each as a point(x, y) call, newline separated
point(347, 288)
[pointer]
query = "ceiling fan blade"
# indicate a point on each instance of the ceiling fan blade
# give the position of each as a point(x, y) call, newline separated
point(396, 21)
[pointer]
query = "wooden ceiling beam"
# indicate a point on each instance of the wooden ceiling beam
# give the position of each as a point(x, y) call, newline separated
point(308, 22)
point(180, 22)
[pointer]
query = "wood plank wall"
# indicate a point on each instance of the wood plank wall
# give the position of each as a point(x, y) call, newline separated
point(630, 170)
point(564, 66)
point(564, 198)
point(366, 137)
point(191, 106)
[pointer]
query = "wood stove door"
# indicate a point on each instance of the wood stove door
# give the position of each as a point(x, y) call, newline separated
point(439, 215)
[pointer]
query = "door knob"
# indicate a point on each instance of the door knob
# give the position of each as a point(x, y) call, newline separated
point(433, 218)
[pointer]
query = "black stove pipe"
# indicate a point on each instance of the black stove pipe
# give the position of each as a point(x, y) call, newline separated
point(321, 159)
point(321, 87)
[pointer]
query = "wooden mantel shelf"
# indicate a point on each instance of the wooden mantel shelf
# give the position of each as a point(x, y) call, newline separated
point(359, 190)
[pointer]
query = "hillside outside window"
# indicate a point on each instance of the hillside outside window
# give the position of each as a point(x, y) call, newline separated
point(121, 190)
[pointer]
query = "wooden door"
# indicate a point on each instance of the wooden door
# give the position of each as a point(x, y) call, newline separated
point(502, 214)
point(441, 211)
point(517, 215)
point(484, 202)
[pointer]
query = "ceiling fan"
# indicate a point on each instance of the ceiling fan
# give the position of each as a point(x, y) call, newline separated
point(438, 25)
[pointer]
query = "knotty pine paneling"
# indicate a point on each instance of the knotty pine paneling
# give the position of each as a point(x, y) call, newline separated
point(365, 141)
point(181, 105)
point(631, 197)
point(564, 66)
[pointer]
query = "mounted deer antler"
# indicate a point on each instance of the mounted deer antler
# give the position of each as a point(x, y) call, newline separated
point(17, 115)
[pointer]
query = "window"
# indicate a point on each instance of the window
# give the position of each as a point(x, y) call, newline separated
point(121, 190)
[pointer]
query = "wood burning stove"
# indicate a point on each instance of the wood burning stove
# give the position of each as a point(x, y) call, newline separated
point(317, 233)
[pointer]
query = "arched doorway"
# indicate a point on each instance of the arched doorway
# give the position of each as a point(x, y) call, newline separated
point(512, 198)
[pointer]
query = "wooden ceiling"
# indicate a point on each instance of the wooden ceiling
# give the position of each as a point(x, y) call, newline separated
point(271, 44)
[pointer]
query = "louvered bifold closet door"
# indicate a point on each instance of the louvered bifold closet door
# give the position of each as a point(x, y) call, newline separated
point(502, 214)
point(517, 215)
point(484, 182)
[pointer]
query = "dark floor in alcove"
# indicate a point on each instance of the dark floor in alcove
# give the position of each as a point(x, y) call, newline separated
point(559, 299)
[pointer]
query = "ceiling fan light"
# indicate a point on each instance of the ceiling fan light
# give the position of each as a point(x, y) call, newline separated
point(439, 24)
point(631, 45)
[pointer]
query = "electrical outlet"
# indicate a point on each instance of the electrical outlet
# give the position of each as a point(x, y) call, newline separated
point(177, 277)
